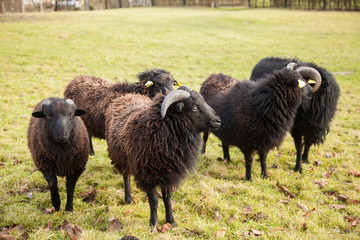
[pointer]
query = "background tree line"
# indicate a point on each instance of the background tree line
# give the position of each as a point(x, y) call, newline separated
point(308, 4)
point(48, 5)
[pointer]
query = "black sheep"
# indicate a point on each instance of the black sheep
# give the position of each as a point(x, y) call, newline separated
point(94, 95)
point(313, 117)
point(255, 116)
point(157, 141)
point(59, 145)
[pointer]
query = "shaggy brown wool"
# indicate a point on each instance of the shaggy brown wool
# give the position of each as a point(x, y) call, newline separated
point(54, 158)
point(151, 150)
point(157, 141)
point(94, 95)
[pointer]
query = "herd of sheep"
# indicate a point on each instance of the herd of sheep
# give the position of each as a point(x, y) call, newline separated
point(153, 132)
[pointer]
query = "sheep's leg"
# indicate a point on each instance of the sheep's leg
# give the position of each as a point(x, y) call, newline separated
point(299, 147)
point(70, 189)
point(92, 152)
point(225, 148)
point(153, 201)
point(166, 193)
point(54, 191)
point(305, 156)
point(248, 162)
point(205, 138)
point(128, 198)
point(263, 156)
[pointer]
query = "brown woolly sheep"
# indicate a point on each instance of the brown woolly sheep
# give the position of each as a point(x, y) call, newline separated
point(94, 95)
point(157, 141)
point(59, 145)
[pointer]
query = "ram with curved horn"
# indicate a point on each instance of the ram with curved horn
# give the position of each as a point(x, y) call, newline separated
point(255, 116)
point(157, 141)
point(313, 117)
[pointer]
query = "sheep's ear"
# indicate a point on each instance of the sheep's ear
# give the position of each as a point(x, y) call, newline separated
point(38, 114)
point(180, 107)
point(79, 112)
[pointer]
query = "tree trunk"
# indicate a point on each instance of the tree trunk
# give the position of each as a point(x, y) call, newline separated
point(41, 6)
point(249, 1)
point(3, 10)
point(22, 6)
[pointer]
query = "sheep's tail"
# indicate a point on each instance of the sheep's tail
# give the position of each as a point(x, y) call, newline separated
point(215, 84)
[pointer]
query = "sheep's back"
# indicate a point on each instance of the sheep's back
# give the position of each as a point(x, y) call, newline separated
point(254, 119)
point(215, 84)
point(119, 113)
point(93, 95)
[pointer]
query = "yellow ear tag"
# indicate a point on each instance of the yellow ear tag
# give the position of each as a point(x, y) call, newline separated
point(311, 81)
point(178, 84)
point(148, 84)
point(301, 83)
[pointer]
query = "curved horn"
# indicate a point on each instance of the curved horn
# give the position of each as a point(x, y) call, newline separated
point(172, 97)
point(311, 73)
point(291, 65)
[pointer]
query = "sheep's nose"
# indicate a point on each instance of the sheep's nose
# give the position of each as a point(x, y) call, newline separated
point(216, 124)
point(61, 134)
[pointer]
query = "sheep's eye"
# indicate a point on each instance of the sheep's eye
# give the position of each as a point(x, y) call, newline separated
point(71, 117)
point(48, 117)
point(195, 109)
point(157, 85)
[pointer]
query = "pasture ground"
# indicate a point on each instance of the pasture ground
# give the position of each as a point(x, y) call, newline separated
point(41, 53)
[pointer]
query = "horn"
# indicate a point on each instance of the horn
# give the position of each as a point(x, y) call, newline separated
point(46, 102)
point(172, 97)
point(69, 101)
point(291, 65)
point(312, 73)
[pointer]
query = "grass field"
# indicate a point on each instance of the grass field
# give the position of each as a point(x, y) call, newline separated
point(41, 53)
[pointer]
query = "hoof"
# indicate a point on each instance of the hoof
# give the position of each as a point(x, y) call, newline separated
point(69, 209)
point(264, 176)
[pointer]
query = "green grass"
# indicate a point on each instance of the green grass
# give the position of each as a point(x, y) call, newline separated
point(41, 53)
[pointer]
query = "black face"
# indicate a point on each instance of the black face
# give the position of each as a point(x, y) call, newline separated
point(59, 115)
point(293, 79)
point(201, 114)
point(161, 83)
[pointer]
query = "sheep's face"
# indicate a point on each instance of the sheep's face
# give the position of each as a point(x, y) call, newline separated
point(157, 81)
point(58, 115)
point(192, 105)
point(292, 79)
point(201, 114)
point(161, 83)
